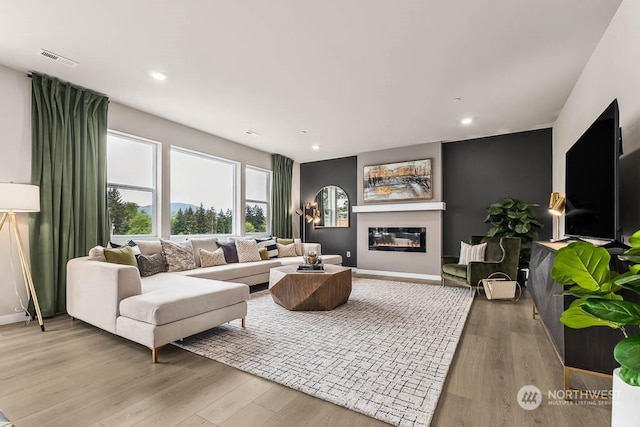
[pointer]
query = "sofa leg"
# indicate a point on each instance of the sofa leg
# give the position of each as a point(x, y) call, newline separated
point(154, 354)
point(244, 322)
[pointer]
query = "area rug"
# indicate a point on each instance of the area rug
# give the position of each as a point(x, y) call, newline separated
point(385, 353)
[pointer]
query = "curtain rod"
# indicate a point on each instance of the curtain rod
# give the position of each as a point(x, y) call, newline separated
point(30, 75)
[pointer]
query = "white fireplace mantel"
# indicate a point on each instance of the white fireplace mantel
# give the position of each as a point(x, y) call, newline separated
point(400, 207)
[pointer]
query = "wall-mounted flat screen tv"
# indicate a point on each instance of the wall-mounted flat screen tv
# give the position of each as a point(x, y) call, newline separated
point(592, 180)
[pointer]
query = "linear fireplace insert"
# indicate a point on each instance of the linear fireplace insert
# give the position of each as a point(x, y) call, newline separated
point(401, 239)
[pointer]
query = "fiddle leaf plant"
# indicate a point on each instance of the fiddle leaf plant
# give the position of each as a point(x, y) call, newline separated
point(583, 270)
point(515, 218)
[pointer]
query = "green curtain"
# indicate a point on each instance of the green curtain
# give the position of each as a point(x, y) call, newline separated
point(282, 169)
point(69, 155)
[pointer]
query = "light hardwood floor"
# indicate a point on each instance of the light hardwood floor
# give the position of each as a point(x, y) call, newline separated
point(77, 375)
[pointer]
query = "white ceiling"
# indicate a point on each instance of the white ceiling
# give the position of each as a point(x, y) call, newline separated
point(357, 75)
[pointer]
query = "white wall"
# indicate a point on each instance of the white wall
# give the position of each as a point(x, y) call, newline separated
point(168, 133)
point(15, 165)
point(613, 71)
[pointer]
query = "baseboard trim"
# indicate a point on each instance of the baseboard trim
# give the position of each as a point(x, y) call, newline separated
point(12, 318)
point(398, 274)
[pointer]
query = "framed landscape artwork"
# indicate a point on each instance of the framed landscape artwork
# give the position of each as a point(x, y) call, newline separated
point(398, 181)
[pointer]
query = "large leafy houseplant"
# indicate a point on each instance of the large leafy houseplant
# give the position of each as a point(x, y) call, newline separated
point(584, 270)
point(515, 218)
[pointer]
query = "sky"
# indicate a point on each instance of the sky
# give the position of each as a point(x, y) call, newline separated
point(195, 179)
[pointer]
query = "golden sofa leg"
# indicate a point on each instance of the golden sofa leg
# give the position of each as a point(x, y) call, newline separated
point(244, 322)
point(154, 354)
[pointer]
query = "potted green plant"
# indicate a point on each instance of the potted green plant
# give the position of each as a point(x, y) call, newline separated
point(584, 270)
point(515, 218)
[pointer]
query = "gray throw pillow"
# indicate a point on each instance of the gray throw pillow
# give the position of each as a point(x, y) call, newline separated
point(230, 252)
point(151, 264)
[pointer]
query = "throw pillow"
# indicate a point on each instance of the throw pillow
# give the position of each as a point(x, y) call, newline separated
point(130, 243)
point(123, 255)
point(230, 252)
point(298, 243)
point(151, 264)
point(247, 250)
point(211, 258)
point(470, 253)
point(264, 253)
point(96, 253)
point(284, 241)
point(208, 243)
point(286, 250)
point(179, 257)
point(271, 247)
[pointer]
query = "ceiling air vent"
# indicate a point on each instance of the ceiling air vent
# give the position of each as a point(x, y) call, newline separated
point(60, 59)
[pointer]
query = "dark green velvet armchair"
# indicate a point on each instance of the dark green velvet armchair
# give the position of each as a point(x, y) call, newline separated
point(502, 255)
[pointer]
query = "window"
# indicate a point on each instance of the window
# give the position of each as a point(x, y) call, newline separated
point(258, 196)
point(131, 185)
point(203, 193)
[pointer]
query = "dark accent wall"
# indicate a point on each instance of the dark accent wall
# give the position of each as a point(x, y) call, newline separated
point(479, 172)
point(343, 173)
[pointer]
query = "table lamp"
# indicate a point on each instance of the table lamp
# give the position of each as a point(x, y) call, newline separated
point(17, 198)
point(556, 208)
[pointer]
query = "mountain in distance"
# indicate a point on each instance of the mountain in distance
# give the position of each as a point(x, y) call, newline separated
point(175, 207)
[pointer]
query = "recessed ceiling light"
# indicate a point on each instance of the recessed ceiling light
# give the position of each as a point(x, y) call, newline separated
point(304, 132)
point(158, 75)
point(457, 99)
point(252, 133)
point(315, 147)
point(466, 121)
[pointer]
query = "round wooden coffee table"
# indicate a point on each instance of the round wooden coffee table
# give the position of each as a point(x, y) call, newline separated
point(310, 291)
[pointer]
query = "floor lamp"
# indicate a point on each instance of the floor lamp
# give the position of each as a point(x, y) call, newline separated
point(16, 198)
point(556, 209)
point(309, 213)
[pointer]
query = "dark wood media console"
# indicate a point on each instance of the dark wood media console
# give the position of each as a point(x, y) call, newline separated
point(589, 349)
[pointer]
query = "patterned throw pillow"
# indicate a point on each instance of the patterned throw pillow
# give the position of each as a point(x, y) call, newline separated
point(247, 250)
point(151, 264)
point(208, 243)
point(270, 245)
point(179, 257)
point(130, 243)
point(230, 252)
point(286, 250)
point(211, 258)
point(470, 253)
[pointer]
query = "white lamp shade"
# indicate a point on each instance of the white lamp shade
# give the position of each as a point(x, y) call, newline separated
point(19, 197)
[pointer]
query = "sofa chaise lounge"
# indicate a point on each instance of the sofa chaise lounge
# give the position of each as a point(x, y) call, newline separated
point(159, 309)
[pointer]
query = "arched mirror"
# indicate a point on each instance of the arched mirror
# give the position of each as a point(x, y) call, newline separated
point(333, 207)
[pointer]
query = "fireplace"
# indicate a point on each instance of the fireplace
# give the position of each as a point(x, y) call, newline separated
point(400, 239)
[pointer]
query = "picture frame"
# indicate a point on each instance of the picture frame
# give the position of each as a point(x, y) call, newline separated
point(388, 182)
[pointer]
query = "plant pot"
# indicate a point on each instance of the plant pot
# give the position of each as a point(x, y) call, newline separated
point(626, 400)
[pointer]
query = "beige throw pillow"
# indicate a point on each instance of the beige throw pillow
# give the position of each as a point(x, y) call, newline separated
point(286, 250)
point(208, 243)
point(96, 253)
point(211, 258)
point(470, 253)
point(179, 257)
point(247, 250)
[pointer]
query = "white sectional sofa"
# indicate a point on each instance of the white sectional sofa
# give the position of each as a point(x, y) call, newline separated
point(156, 310)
